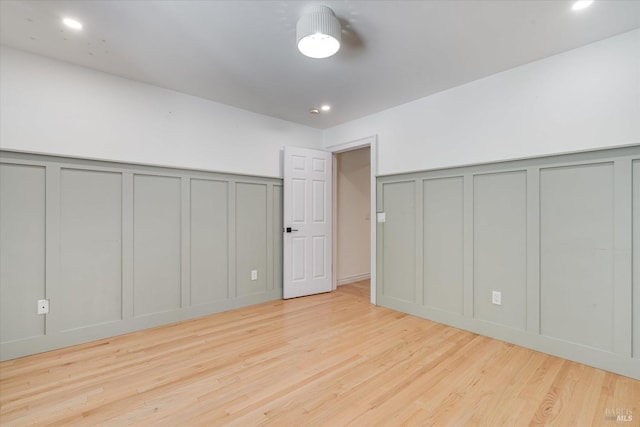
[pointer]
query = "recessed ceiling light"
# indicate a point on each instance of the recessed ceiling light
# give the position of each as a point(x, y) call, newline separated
point(314, 111)
point(72, 23)
point(325, 108)
point(581, 4)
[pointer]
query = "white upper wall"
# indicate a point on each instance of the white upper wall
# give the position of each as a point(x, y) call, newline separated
point(587, 98)
point(584, 99)
point(51, 107)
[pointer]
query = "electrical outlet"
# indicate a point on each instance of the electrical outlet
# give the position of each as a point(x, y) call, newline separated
point(254, 274)
point(496, 297)
point(43, 306)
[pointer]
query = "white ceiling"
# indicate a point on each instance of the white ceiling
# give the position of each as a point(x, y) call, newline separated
point(243, 53)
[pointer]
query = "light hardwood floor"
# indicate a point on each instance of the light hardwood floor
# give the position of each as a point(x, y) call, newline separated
point(330, 359)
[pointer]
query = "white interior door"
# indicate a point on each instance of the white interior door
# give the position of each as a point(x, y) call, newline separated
point(307, 222)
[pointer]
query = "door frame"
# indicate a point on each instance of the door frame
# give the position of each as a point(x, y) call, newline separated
point(372, 143)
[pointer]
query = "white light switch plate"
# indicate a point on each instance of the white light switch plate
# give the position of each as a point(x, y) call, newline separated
point(382, 217)
point(254, 274)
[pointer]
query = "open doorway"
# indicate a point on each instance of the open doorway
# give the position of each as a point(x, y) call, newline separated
point(371, 143)
point(352, 216)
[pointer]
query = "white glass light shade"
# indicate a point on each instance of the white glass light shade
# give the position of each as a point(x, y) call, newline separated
point(318, 33)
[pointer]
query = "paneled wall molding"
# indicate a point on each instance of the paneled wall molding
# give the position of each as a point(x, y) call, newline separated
point(556, 237)
point(119, 247)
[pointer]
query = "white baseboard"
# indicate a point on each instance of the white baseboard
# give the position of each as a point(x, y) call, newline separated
point(351, 279)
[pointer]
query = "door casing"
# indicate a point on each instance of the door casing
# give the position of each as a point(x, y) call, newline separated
point(372, 142)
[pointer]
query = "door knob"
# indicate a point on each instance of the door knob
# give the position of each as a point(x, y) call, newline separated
point(289, 229)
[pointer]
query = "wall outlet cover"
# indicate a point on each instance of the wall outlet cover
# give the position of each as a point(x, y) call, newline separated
point(496, 298)
point(43, 306)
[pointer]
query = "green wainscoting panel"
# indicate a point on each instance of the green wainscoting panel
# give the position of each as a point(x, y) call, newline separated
point(22, 251)
point(399, 241)
point(500, 247)
point(576, 254)
point(90, 250)
point(157, 234)
point(277, 236)
point(443, 240)
point(557, 236)
point(121, 247)
point(209, 241)
point(251, 238)
point(636, 259)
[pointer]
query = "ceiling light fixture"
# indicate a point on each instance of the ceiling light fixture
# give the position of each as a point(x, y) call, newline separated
point(325, 108)
point(318, 32)
point(581, 4)
point(72, 23)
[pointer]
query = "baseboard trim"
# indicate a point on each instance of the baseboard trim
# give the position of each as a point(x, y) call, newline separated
point(613, 362)
point(352, 279)
point(56, 340)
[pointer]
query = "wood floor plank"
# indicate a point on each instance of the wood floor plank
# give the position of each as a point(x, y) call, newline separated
point(326, 360)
